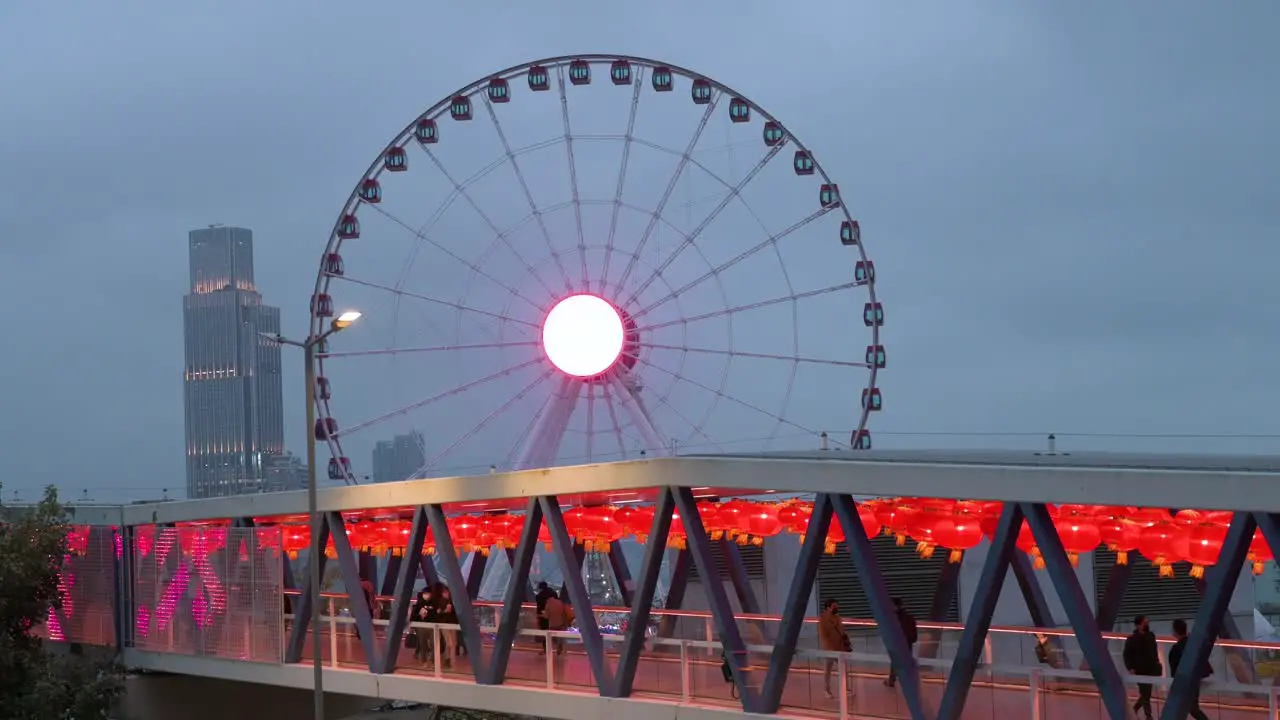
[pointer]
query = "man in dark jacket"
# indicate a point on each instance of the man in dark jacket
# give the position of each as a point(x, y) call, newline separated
point(1142, 657)
point(1175, 658)
point(909, 629)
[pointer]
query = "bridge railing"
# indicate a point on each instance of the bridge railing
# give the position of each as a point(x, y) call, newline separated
point(687, 670)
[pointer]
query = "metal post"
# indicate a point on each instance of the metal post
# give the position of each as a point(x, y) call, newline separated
point(317, 665)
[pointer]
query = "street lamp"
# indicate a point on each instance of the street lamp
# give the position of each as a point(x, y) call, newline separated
point(342, 322)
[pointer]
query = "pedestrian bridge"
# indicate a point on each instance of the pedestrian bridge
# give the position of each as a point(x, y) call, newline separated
point(205, 588)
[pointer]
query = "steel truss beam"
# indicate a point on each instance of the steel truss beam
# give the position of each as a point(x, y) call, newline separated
point(675, 593)
point(1208, 622)
point(797, 605)
point(721, 612)
point(1113, 596)
point(349, 567)
point(452, 575)
point(891, 630)
point(567, 556)
point(513, 601)
point(1094, 648)
point(302, 611)
point(944, 593)
point(402, 595)
point(981, 609)
point(621, 572)
point(642, 603)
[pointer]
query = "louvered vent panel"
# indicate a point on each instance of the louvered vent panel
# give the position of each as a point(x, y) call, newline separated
point(906, 575)
point(752, 558)
point(1148, 594)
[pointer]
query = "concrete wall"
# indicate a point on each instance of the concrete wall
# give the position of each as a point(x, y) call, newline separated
point(170, 697)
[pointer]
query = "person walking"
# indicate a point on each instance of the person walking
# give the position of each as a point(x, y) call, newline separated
point(1142, 658)
point(424, 611)
point(909, 629)
point(448, 615)
point(1175, 659)
point(831, 638)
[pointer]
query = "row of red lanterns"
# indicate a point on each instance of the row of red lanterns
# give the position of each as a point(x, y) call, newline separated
point(1164, 537)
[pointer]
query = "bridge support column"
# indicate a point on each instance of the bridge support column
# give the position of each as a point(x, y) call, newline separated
point(650, 570)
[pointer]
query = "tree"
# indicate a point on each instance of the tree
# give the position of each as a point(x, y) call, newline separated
point(36, 683)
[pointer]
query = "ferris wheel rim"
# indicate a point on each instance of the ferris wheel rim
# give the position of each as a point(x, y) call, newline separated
point(317, 324)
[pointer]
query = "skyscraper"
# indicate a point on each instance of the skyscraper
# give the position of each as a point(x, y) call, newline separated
point(399, 458)
point(234, 408)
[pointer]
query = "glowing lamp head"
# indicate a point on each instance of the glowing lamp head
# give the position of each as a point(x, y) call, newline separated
point(583, 335)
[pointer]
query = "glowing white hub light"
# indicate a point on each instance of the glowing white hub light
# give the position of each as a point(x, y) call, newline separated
point(582, 335)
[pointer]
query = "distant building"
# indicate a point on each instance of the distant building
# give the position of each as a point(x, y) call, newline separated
point(399, 458)
point(234, 408)
point(282, 473)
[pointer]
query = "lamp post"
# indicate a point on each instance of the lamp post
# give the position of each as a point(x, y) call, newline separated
point(309, 346)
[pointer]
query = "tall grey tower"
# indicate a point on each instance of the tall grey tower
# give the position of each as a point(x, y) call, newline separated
point(234, 408)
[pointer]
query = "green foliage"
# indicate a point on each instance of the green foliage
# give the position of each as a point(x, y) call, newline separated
point(36, 684)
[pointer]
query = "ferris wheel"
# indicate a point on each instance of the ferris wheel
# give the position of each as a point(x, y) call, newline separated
point(592, 258)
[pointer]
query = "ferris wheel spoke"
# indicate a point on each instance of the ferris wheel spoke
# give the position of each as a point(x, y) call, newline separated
point(681, 378)
point(438, 397)
point(613, 419)
point(446, 303)
point(524, 186)
point(622, 176)
point(753, 306)
point(499, 235)
point(771, 240)
point(685, 158)
point(757, 356)
point(423, 237)
point(697, 429)
point(431, 463)
point(734, 192)
point(573, 177)
point(429, 349)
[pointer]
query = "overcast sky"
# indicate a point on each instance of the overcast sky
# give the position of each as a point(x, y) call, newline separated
point(1072, 208)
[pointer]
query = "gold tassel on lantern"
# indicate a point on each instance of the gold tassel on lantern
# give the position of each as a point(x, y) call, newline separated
point(1037, 559)
point(1259, 567)
point(955, 556)
point(925, 549)
point(757, 541)
point(1074, 559)
point(717, 534)
point(829, 548)
point(1197, 571)
point(900, 539)
point(743, 539)
point(1122, 557)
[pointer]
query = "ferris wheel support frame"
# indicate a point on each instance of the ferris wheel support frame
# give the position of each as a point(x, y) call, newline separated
point(628, 393)
point(548, 430)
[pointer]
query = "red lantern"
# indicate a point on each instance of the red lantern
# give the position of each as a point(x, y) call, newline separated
point(1156, 543)
point(960, 530)
point(642, 523)
point(714, 522)
point(929, 511)
point(464, 531)
point(1119, 531)
point(1078, 530)
point(835, 536)
point(895, 517)
point(734, 515)
point(677, 539)
point(1260, 553)
point(793, 516)
point(1204, 533)
point(763, 523)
